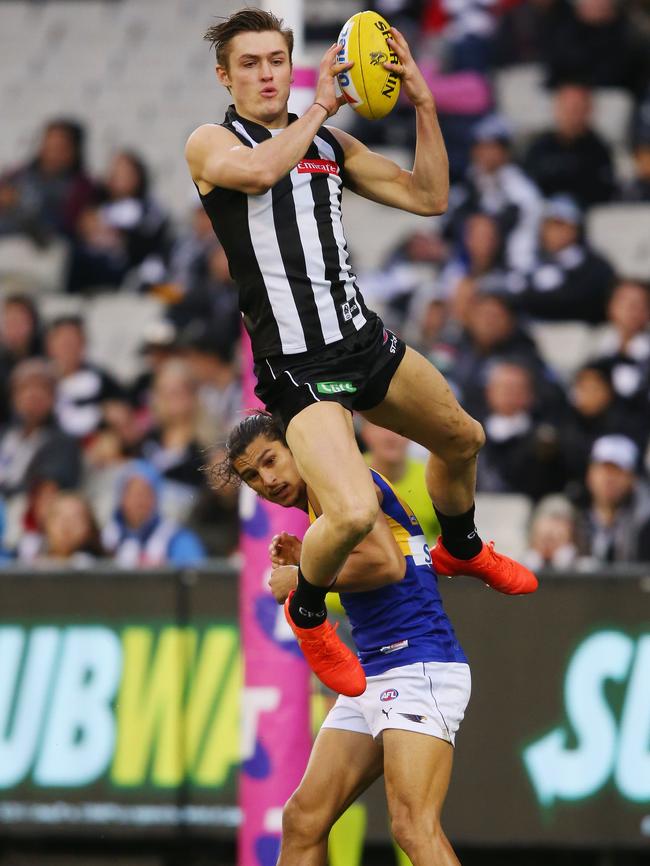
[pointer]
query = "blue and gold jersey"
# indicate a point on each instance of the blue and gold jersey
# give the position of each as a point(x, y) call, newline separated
point(404, 622)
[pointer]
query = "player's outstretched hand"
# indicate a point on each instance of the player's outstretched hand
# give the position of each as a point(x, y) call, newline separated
point(413, 83)
point(326, 86)
point(283, 579)
point(284, 549)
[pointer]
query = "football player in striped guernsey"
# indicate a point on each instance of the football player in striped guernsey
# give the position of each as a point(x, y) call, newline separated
point(271, 183)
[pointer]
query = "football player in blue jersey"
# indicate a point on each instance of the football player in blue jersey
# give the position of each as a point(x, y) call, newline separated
point(418, 678)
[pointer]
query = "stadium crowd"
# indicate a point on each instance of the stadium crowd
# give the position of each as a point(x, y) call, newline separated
point(92, 466)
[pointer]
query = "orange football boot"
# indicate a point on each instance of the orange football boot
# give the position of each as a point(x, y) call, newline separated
point(496, 570)
point(334, 664)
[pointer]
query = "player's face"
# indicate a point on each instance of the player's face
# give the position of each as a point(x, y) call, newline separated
point(258, 75)
point(268, 467)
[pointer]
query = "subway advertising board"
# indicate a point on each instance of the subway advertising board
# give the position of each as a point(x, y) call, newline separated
point(119, 710)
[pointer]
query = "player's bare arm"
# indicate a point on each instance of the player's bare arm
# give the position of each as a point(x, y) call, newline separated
point(216, 157)
point(423, 190)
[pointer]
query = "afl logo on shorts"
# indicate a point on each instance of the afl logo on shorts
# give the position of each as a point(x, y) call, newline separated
point(388, 695)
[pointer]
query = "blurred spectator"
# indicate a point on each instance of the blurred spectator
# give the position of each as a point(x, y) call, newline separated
point(593, 412)
point(159, 345)
point(32, 445)
point(72, 535)
point(521, 454)
point(526, 30)
point(616, 524)
point(20, 338)
point(172, 447)
point(81, 386)
point(211, 360)
point(495, 185)
point(138, 535)
point(599, 45)
point(476, 267)
point(128, 233)
point(569, 281)
point(552, 540)
point(118, 436)
point(571, 158)
point(189, 252)
point(40, 495)
point(492, 333)
point(468, 32)
point(47, 195)
point(624, 350)
point(637, 189)
point(211, 297)
point(215, 513)
point(388, 454)
point(407, 274)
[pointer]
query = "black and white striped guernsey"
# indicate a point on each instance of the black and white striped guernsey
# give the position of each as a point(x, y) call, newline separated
point(287, 251)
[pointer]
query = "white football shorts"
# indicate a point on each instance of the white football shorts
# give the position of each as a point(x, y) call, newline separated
point(425, 697)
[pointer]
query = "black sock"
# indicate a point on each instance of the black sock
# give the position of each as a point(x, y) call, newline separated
point(307, 606)
point(459, 534)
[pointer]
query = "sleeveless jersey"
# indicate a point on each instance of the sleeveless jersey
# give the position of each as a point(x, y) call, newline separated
point(286, 249)
point(404, 622)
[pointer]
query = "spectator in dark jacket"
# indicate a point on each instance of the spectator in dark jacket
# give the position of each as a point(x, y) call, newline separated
point(82, 387)
point(495, 185)
point(127, 233)
point(571, 158)
point(46, 196)
point(594, 411)
point(521, 454)
point(569, 280)
point(492, 333)
point(32, 445)
point(600, 45)
point(625, 350)
point(616, 523)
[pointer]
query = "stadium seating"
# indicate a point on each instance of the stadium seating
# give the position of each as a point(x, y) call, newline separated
point(503, 518)
point(622, 233)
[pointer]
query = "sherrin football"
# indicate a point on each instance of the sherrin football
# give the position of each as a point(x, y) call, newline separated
point(369, 88)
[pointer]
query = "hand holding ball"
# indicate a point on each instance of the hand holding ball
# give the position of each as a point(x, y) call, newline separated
point(369, 88)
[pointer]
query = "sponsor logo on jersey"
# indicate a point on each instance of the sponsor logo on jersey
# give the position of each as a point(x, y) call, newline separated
point(335, 388)
point(349, 310)
point(394, 647)
point(317, 166)
point(413, 717)
point(388, 695)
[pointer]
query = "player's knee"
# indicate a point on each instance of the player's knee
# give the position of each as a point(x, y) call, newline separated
point(301, 821)
point(356, 520)
point(413, 830)
point(470, 440)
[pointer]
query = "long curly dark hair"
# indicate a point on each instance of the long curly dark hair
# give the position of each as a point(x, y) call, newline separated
point(222, 473)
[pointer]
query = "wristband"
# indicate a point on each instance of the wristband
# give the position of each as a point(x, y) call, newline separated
point(327, 114)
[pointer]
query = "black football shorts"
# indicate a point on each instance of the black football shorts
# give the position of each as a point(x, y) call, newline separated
point(355, 372)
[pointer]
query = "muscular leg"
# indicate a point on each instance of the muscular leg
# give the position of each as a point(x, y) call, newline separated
point(417, 768)
point(421, 406)
point(321, 439)
point(342, 765)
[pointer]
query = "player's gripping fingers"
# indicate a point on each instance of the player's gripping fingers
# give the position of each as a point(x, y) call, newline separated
point(283, 579)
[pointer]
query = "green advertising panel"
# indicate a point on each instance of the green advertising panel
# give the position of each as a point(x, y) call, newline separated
point(119, 709)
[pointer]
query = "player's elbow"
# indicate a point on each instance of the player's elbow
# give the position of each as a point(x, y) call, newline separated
point(259, 182)
point(261, 177)
point(392, 567)
point(433, 205)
